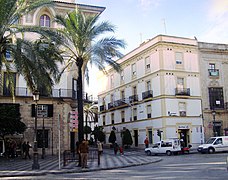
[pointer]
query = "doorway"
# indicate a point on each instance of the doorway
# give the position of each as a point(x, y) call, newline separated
point(184, 135)
point(136, 138)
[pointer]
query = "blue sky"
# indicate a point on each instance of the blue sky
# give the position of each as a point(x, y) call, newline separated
point(139, 20)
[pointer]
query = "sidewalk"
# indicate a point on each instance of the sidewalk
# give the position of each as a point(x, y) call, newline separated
point(22, 167)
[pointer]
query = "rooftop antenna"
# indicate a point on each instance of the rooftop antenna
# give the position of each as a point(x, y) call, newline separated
point(164, 24)
point(140, 35)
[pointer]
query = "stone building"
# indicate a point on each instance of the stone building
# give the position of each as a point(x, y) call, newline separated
point(55, 110)
point(214, 84)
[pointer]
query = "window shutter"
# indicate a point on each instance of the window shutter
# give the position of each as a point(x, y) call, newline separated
point(50, 110)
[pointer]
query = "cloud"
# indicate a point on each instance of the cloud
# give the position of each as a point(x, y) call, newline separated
point(147, 4)
point(217, 18)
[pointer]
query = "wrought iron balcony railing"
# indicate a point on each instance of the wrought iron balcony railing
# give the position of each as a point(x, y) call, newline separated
point(182, 91)
point(147, 94)
point(102, 108)
point(133, 98)
point(213, 72)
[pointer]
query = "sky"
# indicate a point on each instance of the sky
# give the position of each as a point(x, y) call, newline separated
point(139, 20)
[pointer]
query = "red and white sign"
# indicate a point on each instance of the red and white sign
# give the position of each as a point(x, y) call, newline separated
point(73, 119)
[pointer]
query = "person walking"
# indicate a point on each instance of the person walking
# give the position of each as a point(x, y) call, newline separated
point(84, 150)
point(99, 147)
point(146, 142)
point(23, 149)
point(115, 147)
point(28, 146)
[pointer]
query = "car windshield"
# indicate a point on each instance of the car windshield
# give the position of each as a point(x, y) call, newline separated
point(210, 141)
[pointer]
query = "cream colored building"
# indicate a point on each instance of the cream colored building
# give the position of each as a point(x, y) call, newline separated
point(158, 89)
point(214, 72)
point(55, 109)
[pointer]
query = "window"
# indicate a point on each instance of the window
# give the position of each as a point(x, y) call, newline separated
point(135, 114)
point(112, 80)
point(148, 108)
point(216, 98)
point(133, 69)
point(122, 95)
point(41, 140)
point(123, 116)
point(112, 98)
point(134, 90)
point(103, 120)
point(43, 109)
point(45, 21)
point(182, 108)
point(147, 62)
point(211, 66)
point(7, 91)
point(148, 85)
point(150, 135)
point(112, 118)
point(179, 58)
point(122, 76)
point(180, 83)
point(8, 55)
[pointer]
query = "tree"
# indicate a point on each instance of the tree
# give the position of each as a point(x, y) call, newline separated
point(126, 138)
point(85, 43)
point(112, 137)
point(26, 60)
point(10, 120)
point(98, 134)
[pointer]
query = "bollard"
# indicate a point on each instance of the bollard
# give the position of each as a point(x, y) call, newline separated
point(227, 163)
point(99, 158)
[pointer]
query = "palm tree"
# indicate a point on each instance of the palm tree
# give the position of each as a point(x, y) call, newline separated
point(84, 44)
point(29, 59)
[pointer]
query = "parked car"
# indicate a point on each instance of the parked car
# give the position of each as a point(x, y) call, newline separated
point(214, 144)
point(169, 147)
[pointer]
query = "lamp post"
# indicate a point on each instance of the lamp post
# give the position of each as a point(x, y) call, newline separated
point(35, 164)
point(43, 138)
point(213, 114)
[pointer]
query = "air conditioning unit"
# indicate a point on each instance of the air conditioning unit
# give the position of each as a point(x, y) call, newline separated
point(182, 113)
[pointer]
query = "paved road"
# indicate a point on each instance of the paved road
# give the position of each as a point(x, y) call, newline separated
point(192, 166)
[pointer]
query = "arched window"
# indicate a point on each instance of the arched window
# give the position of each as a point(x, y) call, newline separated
point(45, 21)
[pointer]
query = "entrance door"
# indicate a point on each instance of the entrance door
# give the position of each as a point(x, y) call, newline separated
point(136, 138)
point(184, 135)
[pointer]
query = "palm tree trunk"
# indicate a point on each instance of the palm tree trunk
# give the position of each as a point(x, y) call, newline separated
point(80, 101)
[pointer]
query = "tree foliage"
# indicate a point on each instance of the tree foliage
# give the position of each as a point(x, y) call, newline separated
point(10, 120)
point(127, 138)
point(98, 134)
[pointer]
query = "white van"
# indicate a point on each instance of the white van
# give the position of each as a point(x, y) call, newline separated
point(214, 144)
point(169, 146)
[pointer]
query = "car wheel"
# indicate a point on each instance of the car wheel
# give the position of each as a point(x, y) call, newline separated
point(148, 153)
point(211, 150)
point(169, 153)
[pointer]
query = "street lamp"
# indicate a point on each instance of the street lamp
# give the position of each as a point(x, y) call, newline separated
point(35, 164)
point(43, 137)
point(213, 114)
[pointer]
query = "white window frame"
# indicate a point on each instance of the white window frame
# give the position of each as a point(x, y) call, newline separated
point(133, 68)
point(46, 21)
point(147, 63)
point(179, 58)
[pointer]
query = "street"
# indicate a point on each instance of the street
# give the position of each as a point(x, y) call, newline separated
point(189, 166)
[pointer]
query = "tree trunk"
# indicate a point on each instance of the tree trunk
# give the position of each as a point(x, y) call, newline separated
point(80, 101)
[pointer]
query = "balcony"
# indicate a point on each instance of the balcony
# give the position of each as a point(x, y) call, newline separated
point(213, 72)
point(111, 105)
point(119, 102)
point(55, 93)
point(147, 94)
point(182, 91)
point(133, 98)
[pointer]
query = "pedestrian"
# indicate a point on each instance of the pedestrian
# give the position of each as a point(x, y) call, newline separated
point(121, 151)
point(115, 147)
point(28, 146)
point(146, 142)
point(78, 153)
point(23, 149)
point(99, 147)
point(84, 150)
